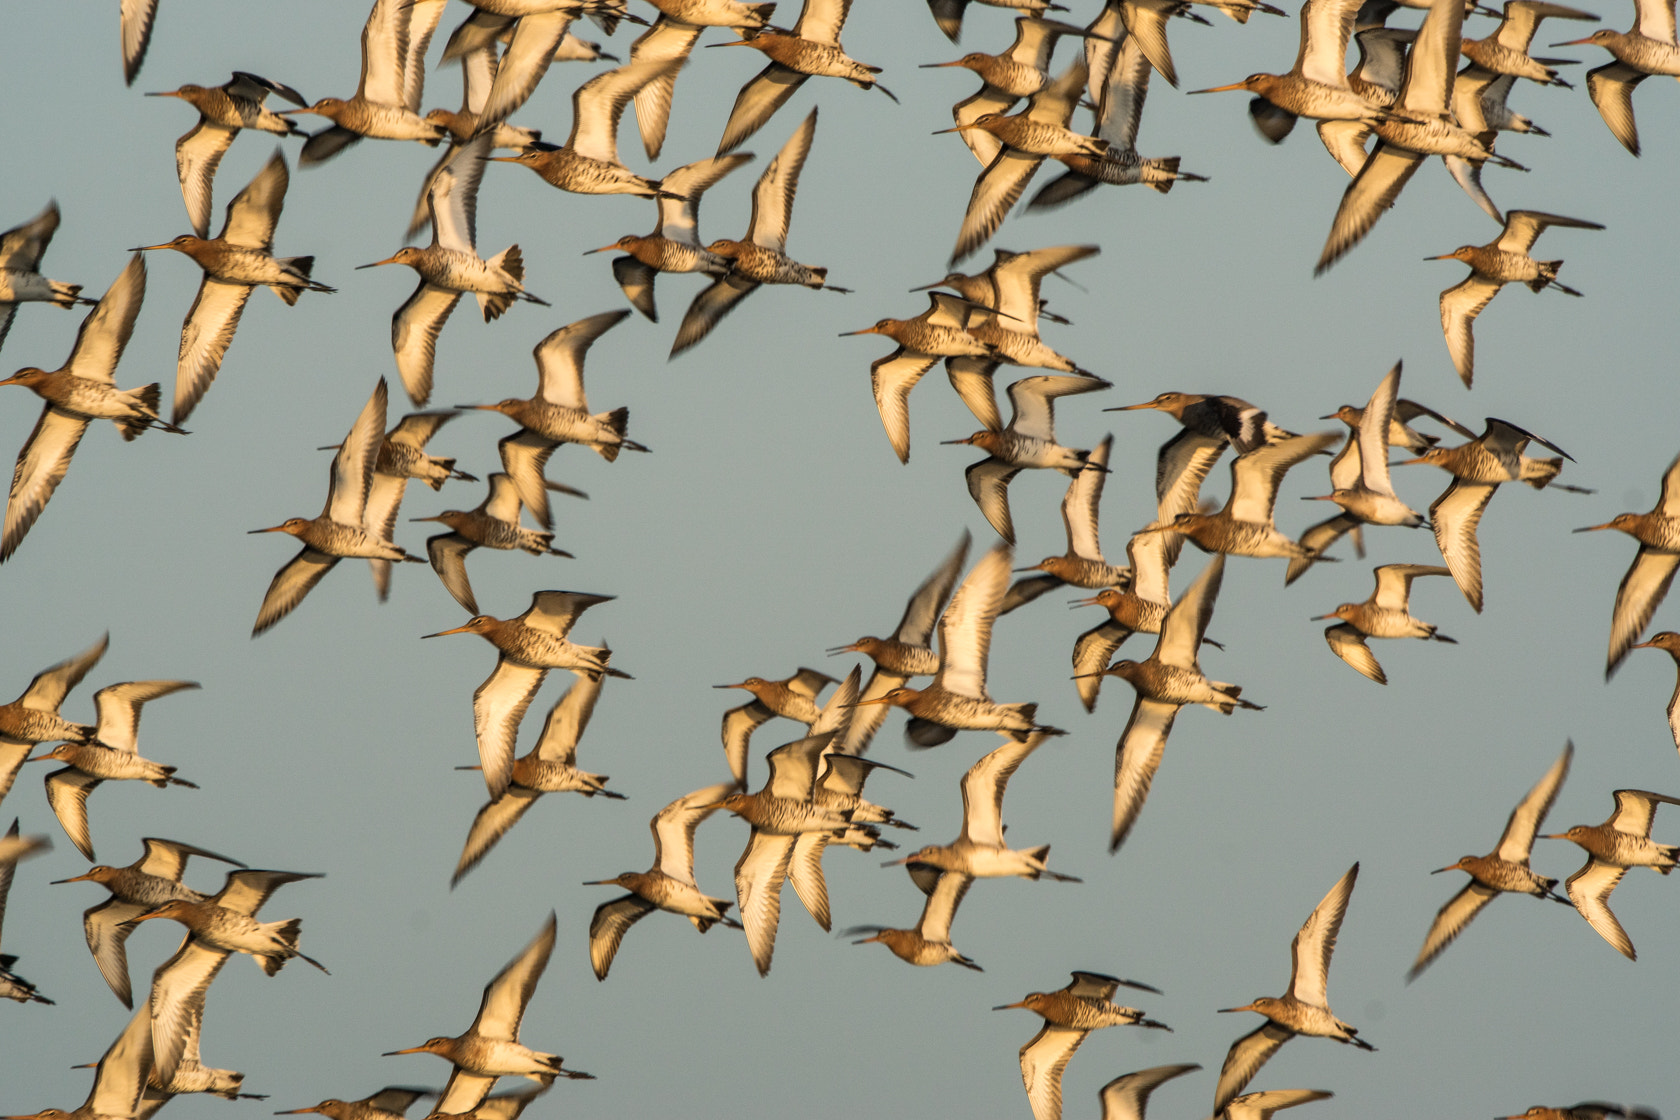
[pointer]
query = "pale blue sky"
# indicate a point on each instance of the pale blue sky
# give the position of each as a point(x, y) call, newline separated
point(772, 522)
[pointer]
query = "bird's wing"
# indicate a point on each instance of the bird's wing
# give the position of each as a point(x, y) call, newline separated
point(105, 332)
point(1394, 583)
point(759, 875)
point(1146, 24)
point(1523, 228)
point(611, 921)
point(1656, 20)
point(1669, 503)
point(1371, 193)
point(384, 44)
point(1079, 504)
point(178, 987)
point(1318, 537)
point(246, 889)
point(205, 336)
point(447, 553)
point(940, 909)
point(920, 613)
point(1042, 1061)
point(197, 155)
point(1256, 476)
point(1373, 432)
point(987, 99)
point(463, 1092)
point(498, 706)
point(1092, 652)
point(1530, 813)
point(1637, 598)
point(535, 38)
point(1454, 517)
point(598, 105)
point(560, 359)
point(67, 793)
point(1611, 88)
point(679, 217)
point(1016, 278)
point(1121, 107)
point(254, 211)
point(492, 822)
point(820, 20)
point(1054, 103)
point(708, 309)
point(1244, 1059)
point(805, 872)
point(22, 246)
point(422, 19)
point(507, 994)
point(524, 455)
point(965, 629)
point(1349, 645)
point(983, 787)
point(568, 719)
point(50, 686)
point(793, 767)
point(1310, 951)
point(1136, 758)
point(1180, 468)
point(1589, 889)
point(892, 378)
point(1460, 304)
point(773, 195)
point(1125, 1097)
point(107, 927)
point(1345, 141)
point(971, 377)
point(120, 1079)
point(453, 197)
point(1635, 808)
point(119, 706)
point(636, 279)
point(1186, 622)
point(667, 41)
point(414, 334)
point(40, 468)
point(1033, 400)
point(988, 485)
point(1326, 26)
point(738, 726)
point(1262, 1105)
point(1432, 63)
point(554, 612)
point(291, 583)
point(352, 466)
point(764, 93)
point(673, 829)
point(997, 189)
point(1450, 921)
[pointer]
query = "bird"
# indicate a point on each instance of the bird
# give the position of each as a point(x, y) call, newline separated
point(235, 262)
point(1126, 1096)
point(559, 413)
point(1070, 1014)
point(389, 1103)
point(1028, 441)
point(82, 390)
point(779, 812)
point(1019, 71)
point(450, 267)
point(939, 332)
point(667, 885)
point(1621, 842)
point(1386, 614)
point(1027, 138)
point(1262, 1105)
point(112, 755)
point(528, 646)
point(402, 456)
point(119, 1079)
point(33, 717)
point(493, 523)
point(137, 17)
point(343, 528)
point(668, 43)
point(13, 849)
point(1170, 678)
point(674, 245)
point(1647, 580)
point(191, 1074)
point(1245, 526)
point(148, 882)
point(908, 652)
point(222, 924)
point(1419, 125)
point(792, 698)
point(1492, 266)
point(929, 943)
point(550, 767)
point(223, 111)
point(21, 250)
point(1506, 50)
point(1669, 642)
point(1371, 498)
point(1082, 565)
point(490, 1048)
point(534, 34)
point(760, 256)
point(588, 162)
point(958, 700)
point(1304, 1008)
point(811, 49)
point(1503, 870)
point(1648, 47)
point(948, 14)
point(386, 104)
point(979, 851)
point(1586, 1110)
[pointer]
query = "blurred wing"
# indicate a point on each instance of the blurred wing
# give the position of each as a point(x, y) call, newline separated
point(107, 927)
point(1079, 504)
point(1454, 517)
point(1611, 87)
point(1042, 1061)
point(1349, 645)
point(498, 707)
point(493, 821)
point(1244, 1059)
point(1637, 598)
point(505, 996)
point(806, 873)
point(567, 721)
point(352, 466)
point(607, 928)
point(197, 155)
point(759, 875)
point(40, 468)
point(673, 829)
point(414, 334)
point(1136, 758)
point(67, 793)
point(290, 584)
point(1092, 652)
point(892, 378)
point(205, 337)
point(252, 214)
point(965, 629)
point(1460, 304)
point(1310, 951)
point(1371, 193)
point(1450, 922)
point(757, 102)
point(1186, 621)
point(448, 555)
point(988, 485)
point(997, 189)
point(535, 39)
point(178, 989)
point(1124, 1098)
point(1530, 813)
point(708, 309)
point(773, 195)
point(1589, 890)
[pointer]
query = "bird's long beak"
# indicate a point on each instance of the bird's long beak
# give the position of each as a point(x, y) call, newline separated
point(1594, 528)
point(1645, 645)
point(937, 66)
point(732, 43)
point(958, 128)
point(713, 805)
point(1131, 407)
point(602, 249)
point(376, 264)
point(1091, 602)
point(1244, 1007)
point(1442, 257)
point(838, 650)
point(896, 862)
point(166, 93)
point(865, 330)
point(1409, 462)
point(968, 440)
point(437, 518)
point(410, 1050)
point(743, 684)
point(501, 159)
point(77, 879)
point(1574, 42)
point(149, 248)
point(868, 703)
point(446, 633)
point(479, 407)
point(297, 1111)
point(1317, 498)
point(600, 882)
point(1438, 870)
point(1008, 1006)
point(1322, 617)
point(1222, 89)
point(270, 529)
point(39, 758)
point(925, 287)
point(1552, 836)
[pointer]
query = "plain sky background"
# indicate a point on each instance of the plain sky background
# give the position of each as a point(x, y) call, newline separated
point(771, 522)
